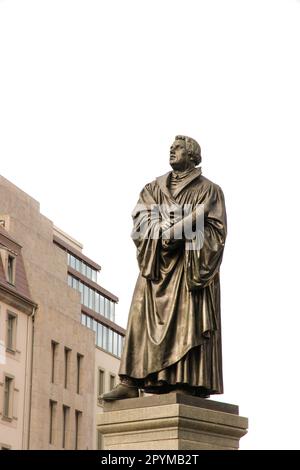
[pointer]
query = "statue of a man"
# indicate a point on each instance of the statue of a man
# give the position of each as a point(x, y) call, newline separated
point(173, 339)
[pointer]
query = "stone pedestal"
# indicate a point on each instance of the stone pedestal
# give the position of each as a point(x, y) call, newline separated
point(170, 422)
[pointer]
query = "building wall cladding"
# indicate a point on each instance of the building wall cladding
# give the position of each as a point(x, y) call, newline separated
point(57, 319)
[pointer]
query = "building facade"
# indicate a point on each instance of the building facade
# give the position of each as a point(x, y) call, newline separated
point(16, 319)
point(74, 339)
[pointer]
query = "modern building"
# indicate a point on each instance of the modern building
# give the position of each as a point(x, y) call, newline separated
point(72, 334)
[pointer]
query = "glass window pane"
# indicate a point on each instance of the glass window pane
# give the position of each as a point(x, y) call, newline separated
point(106, 308)
point(89, 272)
point(112, 310)
point(80, 288)
point(83, 268)
point(95, 328)
point(92, 299)
point(99, 335)
point(89, 322)
point(104, 337)
point(101, 304)
point(72, 261)
point(110, 341)
point(115, 343)
point(69, 258)
point(97, 302)
point(94, 275)
point(119, 345)
point(85, 295)
point(83, 319)
point(77, 264)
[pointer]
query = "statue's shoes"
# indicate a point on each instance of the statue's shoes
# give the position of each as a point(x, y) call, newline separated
point(121, 391)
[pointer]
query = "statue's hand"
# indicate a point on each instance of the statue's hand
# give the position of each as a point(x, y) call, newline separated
point(171, 244)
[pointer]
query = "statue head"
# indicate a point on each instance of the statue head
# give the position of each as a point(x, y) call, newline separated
point(185, 153)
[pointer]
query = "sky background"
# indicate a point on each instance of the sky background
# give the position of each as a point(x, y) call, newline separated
point(92, 93)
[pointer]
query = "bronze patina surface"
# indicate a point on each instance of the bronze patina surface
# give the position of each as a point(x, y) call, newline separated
point(173, 338)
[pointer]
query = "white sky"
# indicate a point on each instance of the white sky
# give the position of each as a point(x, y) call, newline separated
point(92, 94)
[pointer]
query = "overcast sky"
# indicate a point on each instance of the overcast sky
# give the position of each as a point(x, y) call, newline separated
point(92, 93)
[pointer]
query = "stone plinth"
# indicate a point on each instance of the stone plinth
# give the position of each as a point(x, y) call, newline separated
point(170, 422)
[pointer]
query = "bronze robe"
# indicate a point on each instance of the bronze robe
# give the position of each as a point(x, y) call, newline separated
point(174, 326)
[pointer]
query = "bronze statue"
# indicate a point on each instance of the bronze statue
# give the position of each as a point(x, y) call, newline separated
point(173, 339)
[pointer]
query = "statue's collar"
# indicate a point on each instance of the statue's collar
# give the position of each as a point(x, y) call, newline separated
point(183, 180)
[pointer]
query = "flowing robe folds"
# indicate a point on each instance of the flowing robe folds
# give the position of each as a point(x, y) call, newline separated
point(174, 326)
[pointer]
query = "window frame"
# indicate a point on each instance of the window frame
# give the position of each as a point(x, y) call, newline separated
point(7, 408)
point(13, 335)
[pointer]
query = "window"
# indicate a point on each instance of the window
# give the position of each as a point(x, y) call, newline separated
point(65, 424)
point(54, 349)
point(89, 322)
point(115, 343)
point(11, 331)
point(52, 411)
point(102, 305)
point(110, 341)
point(67, 360)
point(99, 340)
point(105, 337)
point(78, 416)
point(8, 397)
point(101, 378)
point(112, 381)
point(85, 295)
point(83, 319)
point(97, 302)
point(79, 372)
point(11, 269)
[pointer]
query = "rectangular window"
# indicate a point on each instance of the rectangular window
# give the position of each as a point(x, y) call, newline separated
point(112, 311)
point(79, 372)
point(65, 425)
point(112, 381)
point(54, 350)
point(102, 310)
point(80, 288)
point(91, 299)
point(83, 268)
point(88, 272)
point(105, 337)
point(8, 397)
point(77, 264)
point(67, 365)
point(52, 410)
point(72, 261)
point(97, 302)
point(101, 385)
point(106, 308)
point(110, 341)
point(11, 331)
point(78, 416)
point(115, 343)
point(99, 335)
point(94, 275)
point(83, 319)
point(89, 322)
point(11, 269)
point(85, 295)
point(69, 280)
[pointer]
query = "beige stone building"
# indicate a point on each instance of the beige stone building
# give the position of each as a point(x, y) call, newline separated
point(72, 334)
